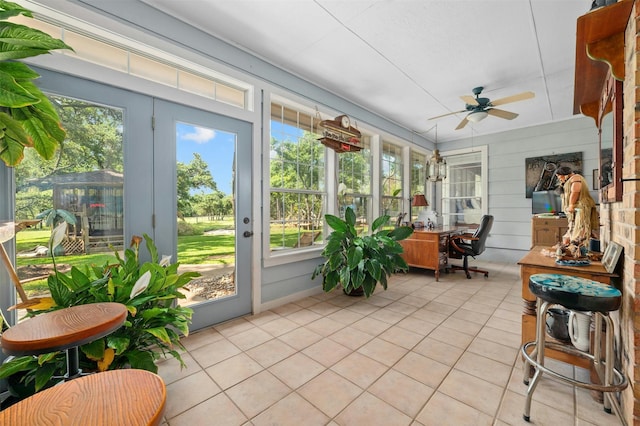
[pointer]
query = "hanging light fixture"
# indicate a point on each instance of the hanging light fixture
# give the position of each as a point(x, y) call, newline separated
point(477, 116)
point(436, 166)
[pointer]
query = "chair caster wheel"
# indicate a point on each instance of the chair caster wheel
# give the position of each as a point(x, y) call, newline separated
point(607, 410)
point(526, 418)
point(468, 276)
point(526, 382)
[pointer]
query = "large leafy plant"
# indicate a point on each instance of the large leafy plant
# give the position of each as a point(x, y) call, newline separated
point(360, 261)
point(27, 118)
point(151, 331)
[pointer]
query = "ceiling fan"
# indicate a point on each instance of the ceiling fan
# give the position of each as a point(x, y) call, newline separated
point(479, 108)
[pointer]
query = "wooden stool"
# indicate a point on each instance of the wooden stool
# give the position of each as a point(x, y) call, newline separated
point(116, 397)
point(64, 329)
point(578, 294)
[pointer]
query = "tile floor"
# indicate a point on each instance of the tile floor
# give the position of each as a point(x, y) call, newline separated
point(421, 353)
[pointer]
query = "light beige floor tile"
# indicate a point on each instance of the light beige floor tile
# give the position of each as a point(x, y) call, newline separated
point(506, 338)
point(330, 392)
point(505, 325)
point(325, 326)
point(212, 353)
point(351, 338)
point(401, 337)
point(371, 326)
point(303, 316)
point(279, 326)
point(451, 336)
point(484, 368)
point(218, 410)
point(249, 338)
point(270, 352)
point(324, 308)
point(413, 323)
point(504, 354)
point(307, 301)
point(445, 304)
point(300, 338)
point(508, 315)
point(262, 318)
point(402, 308)
point(379, 301)
point(387, 315)
point(171, 370)
point(470, 390)
point(257, 393)
point(181, 395)
point(590, 410)
point(512, 409)
point(362, 308)
point(235, 326)
point(287, 309)
point(415, 300)
point(371, 411)
point(442, 410)
point(345, 316)
point(327, 352)
point(403, 392)
point(360, 369)
point(292, 410)
point(471, 315)
point(480, 308)
point(439, 351)
point(200, 338)
point(429, 316)
point(463, 325)
point(233, 370)
point(296, 370)
point(423, 369)
point(383, 351)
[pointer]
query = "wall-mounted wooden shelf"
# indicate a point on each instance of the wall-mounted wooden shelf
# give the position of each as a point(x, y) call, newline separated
point(599, 50)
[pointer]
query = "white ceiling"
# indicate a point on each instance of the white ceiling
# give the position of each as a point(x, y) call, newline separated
point(409, 60)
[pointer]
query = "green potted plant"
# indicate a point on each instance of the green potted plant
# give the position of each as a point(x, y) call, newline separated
point(360, 262)
point(152, 329)
point(27, 118)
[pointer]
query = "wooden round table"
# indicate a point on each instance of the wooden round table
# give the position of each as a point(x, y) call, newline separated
point(64, 329)
point(116, 397)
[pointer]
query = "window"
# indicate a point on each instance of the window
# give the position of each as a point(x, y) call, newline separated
point(464, 189)
point(391, 175)
point(354, 182)
point(297, 179)
point(418, 178)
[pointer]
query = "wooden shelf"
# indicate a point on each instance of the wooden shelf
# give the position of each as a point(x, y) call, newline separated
point(599, 51)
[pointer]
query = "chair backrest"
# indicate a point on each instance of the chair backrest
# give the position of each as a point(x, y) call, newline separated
point(486, 222)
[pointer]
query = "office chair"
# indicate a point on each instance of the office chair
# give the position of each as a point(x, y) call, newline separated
point(465, 245)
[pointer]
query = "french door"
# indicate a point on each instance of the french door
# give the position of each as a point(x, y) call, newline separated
point(202, 206)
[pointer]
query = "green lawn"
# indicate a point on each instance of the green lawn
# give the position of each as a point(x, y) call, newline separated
point(192, 249)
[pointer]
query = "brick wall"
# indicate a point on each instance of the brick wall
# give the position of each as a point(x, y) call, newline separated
point(622, 223)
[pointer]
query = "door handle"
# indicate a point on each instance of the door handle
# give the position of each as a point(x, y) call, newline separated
point(247, 234)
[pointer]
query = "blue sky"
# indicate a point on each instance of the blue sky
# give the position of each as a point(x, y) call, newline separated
point(216, 147)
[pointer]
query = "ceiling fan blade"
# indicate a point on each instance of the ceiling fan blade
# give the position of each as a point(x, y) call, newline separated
point(462, 123)
point(444, 115)
point(502, 113)
point(514, 98)
point(470, 100)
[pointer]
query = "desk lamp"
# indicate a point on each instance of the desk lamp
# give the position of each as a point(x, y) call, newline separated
point(419, 200)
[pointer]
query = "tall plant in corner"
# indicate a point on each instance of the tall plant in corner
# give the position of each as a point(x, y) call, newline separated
point(27, 118)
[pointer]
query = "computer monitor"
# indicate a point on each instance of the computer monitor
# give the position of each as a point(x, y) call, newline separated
point(546, 202)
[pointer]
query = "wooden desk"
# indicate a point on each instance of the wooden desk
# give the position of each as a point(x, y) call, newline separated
point(536, 263)
point(117, 397)
point(428, 249)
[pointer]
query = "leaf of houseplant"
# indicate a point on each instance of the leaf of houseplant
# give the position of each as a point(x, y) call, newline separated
point(94, 350)
point(19, 41)
point(44, 375)
point(118, 343)
point(377, 223)
point(142, 360)
point(160, 333)
point(12, 94)
point(17, 365)
point(336, 223)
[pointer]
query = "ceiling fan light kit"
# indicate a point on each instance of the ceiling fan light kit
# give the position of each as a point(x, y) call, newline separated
point(479, 108)
point(477, 116)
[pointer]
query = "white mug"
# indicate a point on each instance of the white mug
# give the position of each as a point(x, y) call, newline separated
point(579, 325)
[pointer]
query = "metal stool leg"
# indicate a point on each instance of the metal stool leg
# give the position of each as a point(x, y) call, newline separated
point(539, 354)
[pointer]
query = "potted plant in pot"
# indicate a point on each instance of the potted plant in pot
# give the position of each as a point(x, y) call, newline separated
point(360, 262)
point(154, 325)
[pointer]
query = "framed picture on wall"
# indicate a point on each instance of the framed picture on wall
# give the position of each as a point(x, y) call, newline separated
point(611, 256)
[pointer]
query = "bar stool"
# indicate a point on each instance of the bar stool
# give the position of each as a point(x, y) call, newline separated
point(577, 294)
point(64, 330)
point(116, 397)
